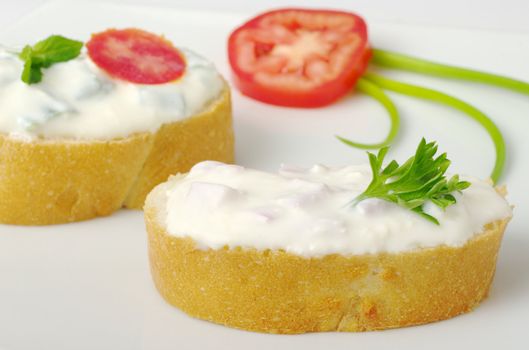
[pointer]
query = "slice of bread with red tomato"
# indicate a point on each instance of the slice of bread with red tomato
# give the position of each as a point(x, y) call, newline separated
point(50, 180)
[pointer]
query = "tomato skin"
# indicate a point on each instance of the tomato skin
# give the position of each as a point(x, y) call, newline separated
point(322, 96)
point(136, 56)
point(319, 96)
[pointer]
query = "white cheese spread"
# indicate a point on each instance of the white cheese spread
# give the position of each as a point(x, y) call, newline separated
point(307, 212)
point(77, 100)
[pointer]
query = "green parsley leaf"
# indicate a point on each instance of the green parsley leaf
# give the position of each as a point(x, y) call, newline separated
point(43, 54)
point(410, 185)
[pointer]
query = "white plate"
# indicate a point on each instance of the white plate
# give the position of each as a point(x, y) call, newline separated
point(87, 285)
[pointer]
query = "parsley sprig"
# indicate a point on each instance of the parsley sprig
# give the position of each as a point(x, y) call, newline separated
point(410, 185)
point(43, 54)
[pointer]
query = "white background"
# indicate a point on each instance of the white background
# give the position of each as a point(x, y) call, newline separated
point(511, 15)
point(87, 285)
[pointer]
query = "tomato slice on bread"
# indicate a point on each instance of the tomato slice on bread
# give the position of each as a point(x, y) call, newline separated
point(136, 56)
point(299, 57)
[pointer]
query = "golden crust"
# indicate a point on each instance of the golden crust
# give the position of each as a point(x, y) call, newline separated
point(178, 146)
point(48, 182)
point(278, 292)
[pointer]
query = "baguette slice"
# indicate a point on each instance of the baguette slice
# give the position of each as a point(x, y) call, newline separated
point(56, 181)
point(277, 292)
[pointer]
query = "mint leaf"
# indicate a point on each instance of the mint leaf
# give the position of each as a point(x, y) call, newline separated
point(26, 53)
point(419, 180)
point(31, 74)
point(56, 49)
point(43, 54)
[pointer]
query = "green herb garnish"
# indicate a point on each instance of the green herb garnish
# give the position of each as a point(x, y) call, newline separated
point(410, 185)
point(369, 88)
point(373, 84)
point(43, 54)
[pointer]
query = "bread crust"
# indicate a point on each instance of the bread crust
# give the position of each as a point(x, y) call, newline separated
point(278, 292)
point(48, 181)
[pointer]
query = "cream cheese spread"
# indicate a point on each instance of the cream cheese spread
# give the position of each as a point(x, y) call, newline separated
point(77, 100)
point(307, 212)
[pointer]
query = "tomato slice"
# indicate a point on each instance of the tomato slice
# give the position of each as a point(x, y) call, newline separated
point(136, 55)
point(299, 57)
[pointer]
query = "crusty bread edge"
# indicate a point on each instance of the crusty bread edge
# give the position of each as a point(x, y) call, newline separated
point(48, 181)
point(278, 292)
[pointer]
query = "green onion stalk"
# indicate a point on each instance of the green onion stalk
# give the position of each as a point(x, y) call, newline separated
point(374, 85)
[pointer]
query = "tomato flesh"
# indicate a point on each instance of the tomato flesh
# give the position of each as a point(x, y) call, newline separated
point(136, 56)
point(299, 57)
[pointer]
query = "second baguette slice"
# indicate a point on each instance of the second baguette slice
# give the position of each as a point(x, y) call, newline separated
point(276, 291)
